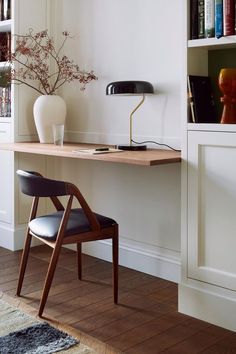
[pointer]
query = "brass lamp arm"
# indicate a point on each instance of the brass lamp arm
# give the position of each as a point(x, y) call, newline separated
point(131, 119)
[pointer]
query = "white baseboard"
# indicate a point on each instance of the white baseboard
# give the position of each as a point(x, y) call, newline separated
point(132, 254)
point(208, 306)
point(139, 256)
point(7, 237)
point(13, 239)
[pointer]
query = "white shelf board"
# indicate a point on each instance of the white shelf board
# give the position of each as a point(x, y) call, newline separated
point(4, 65)
point(213, 43)
point(5, 26)
point(212, 127)
point(5, 119)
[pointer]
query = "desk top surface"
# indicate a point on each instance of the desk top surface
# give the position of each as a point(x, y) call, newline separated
point(150, 157)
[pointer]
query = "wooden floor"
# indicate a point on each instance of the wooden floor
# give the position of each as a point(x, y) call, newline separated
point(146, 320)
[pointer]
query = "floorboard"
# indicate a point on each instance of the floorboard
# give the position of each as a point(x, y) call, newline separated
point(145, 321)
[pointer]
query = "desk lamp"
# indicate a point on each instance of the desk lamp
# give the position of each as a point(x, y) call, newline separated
point(128, 88)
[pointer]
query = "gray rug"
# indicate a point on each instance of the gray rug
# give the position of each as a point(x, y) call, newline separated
point(23, 334)
point(40, 338)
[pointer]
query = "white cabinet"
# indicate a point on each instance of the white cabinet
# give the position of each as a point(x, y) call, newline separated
point(5, 132)
point(20, 126)
point(6, 158)
point(208, 285)
point(6, 181)
point(211, 199)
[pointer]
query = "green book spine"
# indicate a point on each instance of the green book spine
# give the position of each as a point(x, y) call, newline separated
point(201, 14)
point(209, 18)
point(194, 19)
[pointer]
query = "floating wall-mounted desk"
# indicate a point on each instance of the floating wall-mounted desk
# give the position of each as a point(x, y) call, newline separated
point(124, 184)
point(150, 157)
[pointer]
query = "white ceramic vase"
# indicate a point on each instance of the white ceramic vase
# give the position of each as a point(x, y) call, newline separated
point(48, 110)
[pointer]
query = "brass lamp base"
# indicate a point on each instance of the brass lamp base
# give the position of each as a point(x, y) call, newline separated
point(132, 147)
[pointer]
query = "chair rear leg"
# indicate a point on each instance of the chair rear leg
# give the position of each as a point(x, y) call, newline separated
point(115, 254)
point(23, 263)
point(49, 278)
point(79, 260)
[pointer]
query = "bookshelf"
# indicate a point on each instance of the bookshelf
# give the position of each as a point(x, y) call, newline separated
point(208, 287)
point(6, 134)
point(20, 126)
point(207, 57)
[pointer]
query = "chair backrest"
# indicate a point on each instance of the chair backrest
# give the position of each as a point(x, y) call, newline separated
point(35, 185)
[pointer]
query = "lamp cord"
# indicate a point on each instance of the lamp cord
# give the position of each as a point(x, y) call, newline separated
point(154, 142)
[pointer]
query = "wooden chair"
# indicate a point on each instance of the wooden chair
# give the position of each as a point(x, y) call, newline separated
point(65, 226)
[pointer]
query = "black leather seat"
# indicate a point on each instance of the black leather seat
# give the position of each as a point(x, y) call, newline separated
point(65, 226)
point(47, 226)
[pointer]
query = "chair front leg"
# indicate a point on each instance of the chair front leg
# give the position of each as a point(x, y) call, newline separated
point(49, 277)
point(54, 257)
point(24, 260)
point(115, 254)
point(25, 254)
point(79, 260)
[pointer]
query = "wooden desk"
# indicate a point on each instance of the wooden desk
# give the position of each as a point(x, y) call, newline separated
point(150, 157)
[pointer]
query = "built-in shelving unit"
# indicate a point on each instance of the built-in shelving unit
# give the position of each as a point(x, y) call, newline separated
point(19, 127)
point(208, 286)
point(200, 54)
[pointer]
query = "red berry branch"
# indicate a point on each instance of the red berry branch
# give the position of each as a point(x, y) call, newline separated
point(38, 61)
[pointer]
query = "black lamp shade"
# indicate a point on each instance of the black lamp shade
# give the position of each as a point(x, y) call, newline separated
point(129, 88)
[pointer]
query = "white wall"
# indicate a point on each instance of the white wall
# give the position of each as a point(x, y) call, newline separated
point(125, 40)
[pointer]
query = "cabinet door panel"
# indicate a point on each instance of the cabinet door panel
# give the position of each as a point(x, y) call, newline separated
point(6, 186)
point(5, 132)
point(212, 208)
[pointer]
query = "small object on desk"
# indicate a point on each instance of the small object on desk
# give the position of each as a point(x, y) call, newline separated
point(58, 134)
point(131, 147)
point(103, 150)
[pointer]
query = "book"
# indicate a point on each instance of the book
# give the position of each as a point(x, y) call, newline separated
point(5, 45)
point(5, 101)
point(209, 19)
point(201, 100)
point(193, 19)
point(191, 113)
point(218, 18)
point(229, 17)
point(5, 10)
point(97, 151)
point(201, 21)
